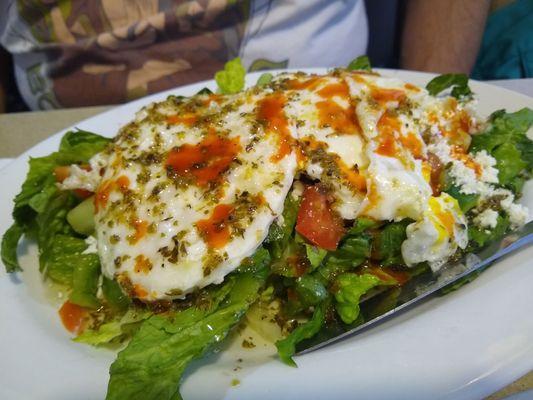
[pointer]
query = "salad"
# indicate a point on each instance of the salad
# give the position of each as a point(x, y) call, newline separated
point(301, 204)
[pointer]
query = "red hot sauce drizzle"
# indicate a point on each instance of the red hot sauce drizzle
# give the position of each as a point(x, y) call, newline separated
point(271, 111)
point(215, 229)
point(205, 161)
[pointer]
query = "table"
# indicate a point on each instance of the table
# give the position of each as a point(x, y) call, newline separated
point(20, 131)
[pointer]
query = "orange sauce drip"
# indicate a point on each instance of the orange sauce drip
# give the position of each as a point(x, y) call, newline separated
point(72, 316)
point(310, 83)
point(102, 194)
point(385, 95)
point(271, 111)
point(353, 176)
point(142, 264)
point(187, 119)
point(213, 97)
point(339, 89)
point(412, 87)
point(412, 143)
point(215, 230)
point(139, 291)
point(141, 227)
point(123, 183)
point(205, 161)
point(459, 153)
point(106, 187)
point(387, 126)
point(342, 120)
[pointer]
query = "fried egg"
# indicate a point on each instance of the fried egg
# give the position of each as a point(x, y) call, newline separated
point(192, 185)
point(190, 190)
point(437, 235)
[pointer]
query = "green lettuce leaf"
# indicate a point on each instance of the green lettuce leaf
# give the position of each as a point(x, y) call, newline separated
point(63, 253)
point(387, 243)
point(231, 79)
point(310, 290)
point(119, 328)
point(40, 208)
point(458, 83)
point(85, 276)
point(115, 298)
point(315, 255)
point(352, 252)
point(506, 140)
point(10, 242)
point(482, 237)
point(152, 364)
point(466, 201)
point(287, 346)
point(348, 291)
point(264, 79)
point(361, 63)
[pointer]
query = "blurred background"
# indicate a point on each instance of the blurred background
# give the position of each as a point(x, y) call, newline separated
point(485, 39)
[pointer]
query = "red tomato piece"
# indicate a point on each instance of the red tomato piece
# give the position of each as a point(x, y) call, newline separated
point(317, 222)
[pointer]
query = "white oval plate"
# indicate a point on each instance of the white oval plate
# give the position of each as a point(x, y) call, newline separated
point(463, 346)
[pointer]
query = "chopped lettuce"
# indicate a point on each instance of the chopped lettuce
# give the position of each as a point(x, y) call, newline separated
point(348, 291)
point(117, 329)
point(315, 255)
point(264, 79)
point(9, 247)
point(481, 236)
point(388, 243)
point(40, 208)
point(287, 346)
point(85, 276)
point(152, 364)
point(458, 83)
point(231, 79)
point(506, 140)
point(63, 253)
point(115, 298)
point(361, 63)
point(466, 201)
point(352, 252)
point(310, 289)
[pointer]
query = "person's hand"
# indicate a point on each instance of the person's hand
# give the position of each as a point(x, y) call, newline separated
point(443, 36)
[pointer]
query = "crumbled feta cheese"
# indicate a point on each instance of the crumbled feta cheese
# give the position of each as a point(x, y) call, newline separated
point(487, 162)
point(518, 215)
point(91, 245)
point(487, 219)
point(80, 178)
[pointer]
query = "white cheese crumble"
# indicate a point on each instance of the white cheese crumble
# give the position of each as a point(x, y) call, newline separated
point(92, 245)
point(487, 219)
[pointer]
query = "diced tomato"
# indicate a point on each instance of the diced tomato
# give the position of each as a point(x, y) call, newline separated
point(317, 222)
point(72, 316)
point(61, 173)
point(82, 193)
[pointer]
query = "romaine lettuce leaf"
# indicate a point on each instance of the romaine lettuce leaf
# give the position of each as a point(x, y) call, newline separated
point(40, 208)
point(9, 247)
point(352, 252)
point(287, 346)
point(348, 291)
point(152, 364)
point(310, 289)
point(458, 83)
point(119, 328)
point(361, 63)
point(388, 241)
point(231, 79)
point(507, 142)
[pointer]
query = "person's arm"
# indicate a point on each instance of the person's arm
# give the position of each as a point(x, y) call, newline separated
point(4, 63)
point(443, 35)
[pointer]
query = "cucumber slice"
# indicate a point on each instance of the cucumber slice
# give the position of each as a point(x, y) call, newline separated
point(81, 217)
